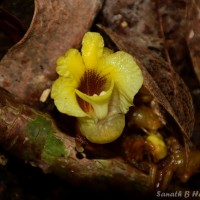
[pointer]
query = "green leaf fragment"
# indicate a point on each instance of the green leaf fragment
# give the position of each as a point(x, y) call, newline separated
point(40, 134)
point(53, 149)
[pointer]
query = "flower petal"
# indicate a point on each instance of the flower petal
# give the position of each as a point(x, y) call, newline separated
point(92, 48)
point(71, 64)
point(104, 131)
point(126, 74)
point(159, 146)
point(63, 93)
point(98, 102)
point(106, 51)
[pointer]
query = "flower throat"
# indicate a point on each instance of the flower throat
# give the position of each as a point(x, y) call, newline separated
point(91, 84)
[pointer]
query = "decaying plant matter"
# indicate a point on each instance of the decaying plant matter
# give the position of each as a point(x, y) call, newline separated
point(154, 152)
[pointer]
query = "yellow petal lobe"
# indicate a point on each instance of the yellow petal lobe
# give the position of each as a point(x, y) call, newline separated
point(126, 74)
point(106, 51)
point(71, 64)
point(160, 148)
point(92, 49)
point(63, 93)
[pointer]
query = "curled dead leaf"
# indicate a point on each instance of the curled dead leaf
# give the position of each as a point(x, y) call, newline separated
point(29, 67)
point(162, 81)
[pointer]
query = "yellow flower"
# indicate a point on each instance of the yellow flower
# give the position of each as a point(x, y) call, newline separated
point(159, 146)
point(97, 86)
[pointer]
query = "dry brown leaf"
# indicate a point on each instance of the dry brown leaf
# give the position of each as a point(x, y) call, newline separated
point(29, 67)
point(150, 38)
point(162, 82)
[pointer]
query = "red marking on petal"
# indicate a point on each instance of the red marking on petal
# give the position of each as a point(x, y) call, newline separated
point(91, 83)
